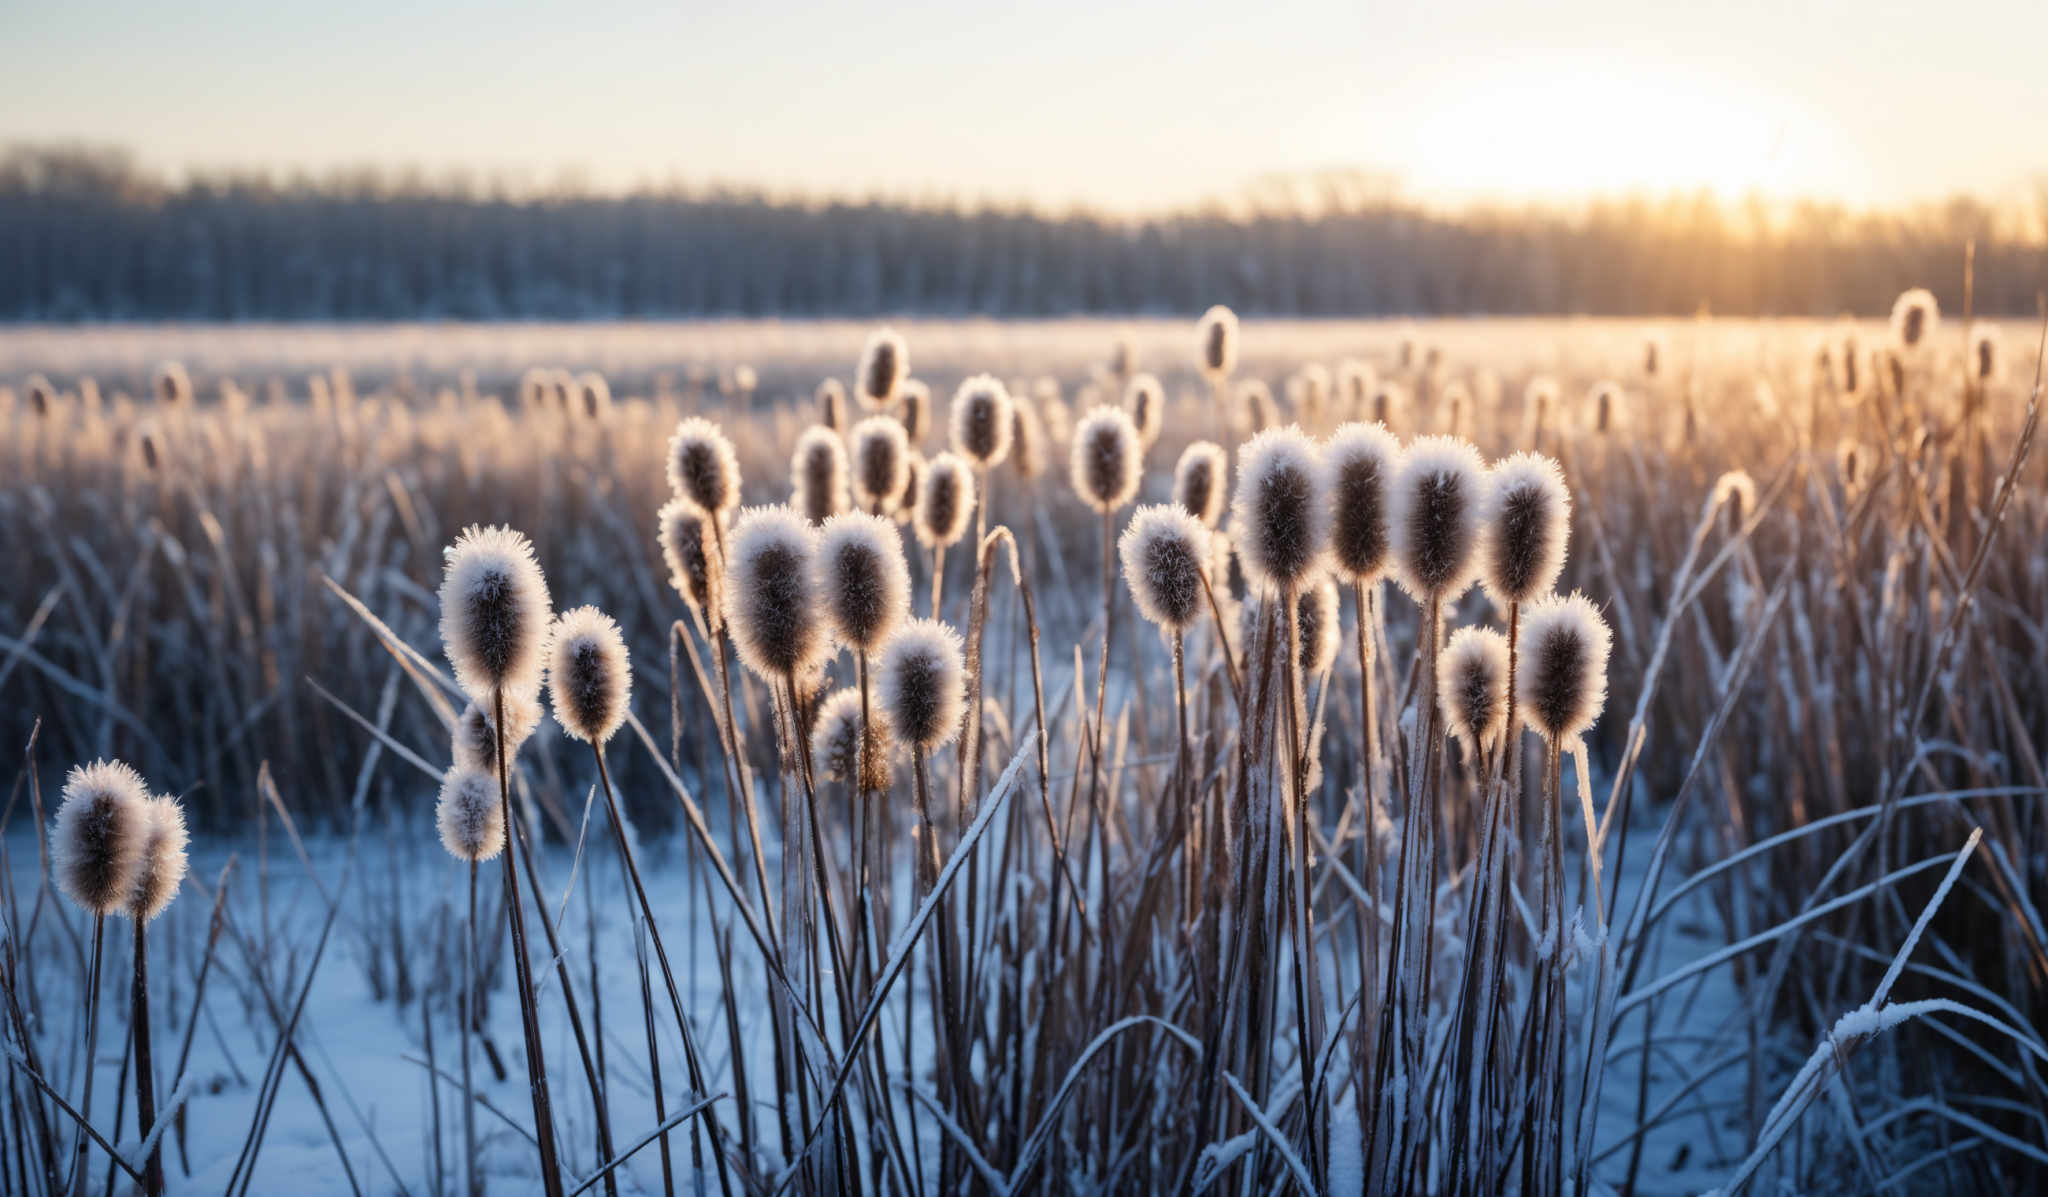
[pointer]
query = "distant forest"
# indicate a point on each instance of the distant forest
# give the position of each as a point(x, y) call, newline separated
point(84, 235)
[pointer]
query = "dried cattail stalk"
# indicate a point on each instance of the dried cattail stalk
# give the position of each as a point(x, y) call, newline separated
point(1360, 461)
point(921, 683)
point(1200, 481)
point(831, 397)
point(690, 550)
point(1433, 506)
point(1104, 464)
point(494, 612)
point(475, 743)
point(702, 466)
point(770, 604)
point(881, 463)
point(1280, 517)
point(1915, 319)
point(468, 815)
point(161, 869)
point(1472, 687)
point(1561, 666)
point(884, 364)
point(589, 677)
point(945, 501)
point(914, 409)
point(980, 421)
point(1523, 528)
point(835, 741)
point(1145, 400)
point(1216, 343)
point(818, 474)
point(861, 579)
point(99, 834)
point(1165, 552)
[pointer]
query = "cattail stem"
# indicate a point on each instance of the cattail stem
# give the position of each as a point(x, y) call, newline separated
point(529, 1014)
point(938, 576)
point(1307, 993)
point(92, 1038)
point(472, 1184)
point(145, 1076)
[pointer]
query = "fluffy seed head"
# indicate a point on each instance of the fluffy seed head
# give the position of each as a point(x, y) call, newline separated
point(835, 741)
point(1472, 687)
point(1915, 317)
point(831, 397)
point(861, 579)
point(1539, 405)
point(99, 834)
point(42, 396)
point(1200, 481)
point(1388, 403)
point(945, 500)
point(1456, 398)
point(1607, 407)
point(476, 739)
point(1735, 494)
point(1280, 517)
point(1983, 364)
point(594, 395)
point(914, 409)
point(981, 420)
point(1309, 391)
point(1315, 621)
point(1165, 552)
point(1123, 355)
point(1523, 527)
point(162, 867)
point(702, 466)
point(770, 604)
point(1360, 460)
point(1104, 463)
point(1355, 382)
point(1653, 353)
point(1216, 342)
point(1433, 511)
point(921, 682)
point(906, 500)
point(1027, 437)
point(589, 679)
point(467, 814)
point(689, 549)
point(1145, 399)
point(818, 473)
point(494, 612)
point(173, 385)
point(1561, 666)
point(881, 460)
point(884, 364)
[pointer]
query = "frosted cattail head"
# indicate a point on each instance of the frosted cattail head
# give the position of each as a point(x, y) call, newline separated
point(1406, 353)
point(1355, 382)
point(818, 472)
point(921, 683)
point(1523, 526)
point(1256, 410)
point(1165, 552)
point(1434, 505)
point(1280, 518)
point(980, 420)
point(1104, 460)
point(1201, 480)
point(1539, 406)
point(914, 409)
point(1216, 343)
point(688, 548)
point(1315, 622)
point(770, 605)
point(594, 395)
point(884, 364)
point(1145, 399)
point(945, 501)
point(1360, 460)
point(145, 442)
point(861, 579)
point(42, 397)
point(702, 466)
point(1027, 438)
point(467, 814)
point(835, 741)
point(1606, 407)
point(173, 385)
point(1852, 462)
point(98, 836)
point(476, 738)
point(881, 462)
point(1653, 355)
point(831, 398)
point(1310, 391)
point(913, 474)
point(494, 612)
point(1123, 355)
point(1561, 666)
point(1228, 569)
point(1983, 364)
point(533, 389)
point(162, 867)
point(1457, 404)
point(589, 679)
point(1472, 687)
point(1387, 405)
point(1915, 317)
point(1851, 362)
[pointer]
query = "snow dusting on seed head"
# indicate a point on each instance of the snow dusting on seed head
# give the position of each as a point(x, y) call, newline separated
point(1915, 319)
point(1216, 342)
point(1145, 400)
point(1201, 481)
point(1104, 464)
point(1433, 509)
point(818, 473)
point(1315, 622)
point(835, 741)
point(921, 683)
point(1280, 517)
point(689, 550)
point(914, 409)
point(861, 579)
point(1472, 687)
point(980, 420)
point(945, 501)
point(702, 466)
point(831, 399)
point(881, 460)
point(161, 869)
point(1165, 552)
point(173, 385)
point(1561, 666)
point(1523, 529)
point(884, 364)
point(770, 605)
point(1360, 461)
point(99, 834)
point(494, 612)
point(468, 816)
point(589, 678)
point(476, 739)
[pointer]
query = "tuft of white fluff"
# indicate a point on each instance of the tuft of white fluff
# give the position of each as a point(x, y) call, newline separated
point(835, 741)
point(1360, 460)
point(1280, 516)
point(1524, 526)
point(884, 364)
point(881, 462)
point(1201, 481)
point(1433, 512)
point(1315, 622)
point(1561, 666)
point(1145, 400)
point(702, 466)
point(1216, 342)
point(1472, 687)
point(475, 743)
point(97, 838)
point(914, 409)
point(770, 606)
point(162, 867)
point(1165, 552)
point(1104, 463)
point(945, 500)
point(589, 678)
point(494, 612)
point(980, 420)
point(818, 473)
point(861, 579)
point(1915, 318)
point(468, 816)
point(921, 683)
point(690, 551)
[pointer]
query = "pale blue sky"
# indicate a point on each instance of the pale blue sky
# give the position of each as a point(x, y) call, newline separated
point(1121, 105)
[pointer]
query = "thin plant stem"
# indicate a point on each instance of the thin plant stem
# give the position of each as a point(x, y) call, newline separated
point(145, 1076)
point(529, 1015)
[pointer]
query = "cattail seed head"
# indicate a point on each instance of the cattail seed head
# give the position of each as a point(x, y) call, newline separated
point(1472, 687)
point(476, 738)
point(467, 814)
point(914, 409)
point(921, 683)
point(1735, 495)
point(1539, 407)
point(832, 405)
point(702, 466)
point(1165, 552)
point(1389, 402)
point(1200, 481)
point(1315, 622)
point(1280, 517)
point(173, 385)
point(1983, 364)
point(689, 549)
point(818, 472)
point(1355, 382)
point(533, 389)
point(1256, 410)
point(494, 612)
point(1561, 666)
point(981, 420)
point(945, 501)
point(913, 474)
point(1309, 390)
point(881, 462)
point(98, 836)
point(1105, 459)
point(1027, 438)
point(770, 604)
point(861, 579)
point(1145, 400)
point(1216, 342)
point(161, 869)
point(835, 741)
point(1523, 527)
point(884, 364)
point(1360, 460)
point(1653, 355)
point(589, 678)
point(594, 395)
point(1434, 506)
point(1607, 407)
point(1457, 404)
point(1915, 318)
point(1123, 355)
point(42, 396)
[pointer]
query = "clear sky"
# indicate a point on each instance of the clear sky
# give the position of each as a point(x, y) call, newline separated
point(1127, 106)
